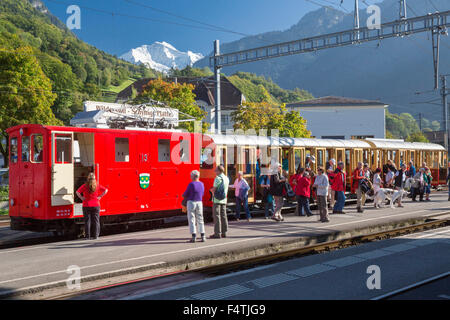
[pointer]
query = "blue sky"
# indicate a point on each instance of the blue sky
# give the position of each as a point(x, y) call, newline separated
point(117, 34)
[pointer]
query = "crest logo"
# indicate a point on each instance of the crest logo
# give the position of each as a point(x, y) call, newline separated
point(144, 180)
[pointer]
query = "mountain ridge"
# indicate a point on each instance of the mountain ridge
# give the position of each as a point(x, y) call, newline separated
point(161, 56)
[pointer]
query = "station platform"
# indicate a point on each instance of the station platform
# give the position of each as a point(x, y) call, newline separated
point(35, 271)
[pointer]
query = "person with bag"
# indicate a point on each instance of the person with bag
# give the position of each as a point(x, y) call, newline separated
point(321, 183)
point(302, 190)
point(267, 197)
point(330, 174)
point(357, 177)
point(427, 179)
point(277, 186)
point(418, 185)
point(241, 188)
point(91, 193)
point(194, 195)
point(339, 186)
point(220, 191)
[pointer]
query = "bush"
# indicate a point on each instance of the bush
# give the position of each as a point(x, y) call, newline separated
point(4, 193)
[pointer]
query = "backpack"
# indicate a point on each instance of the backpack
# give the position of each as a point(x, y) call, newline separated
point(219, 194)
point(364, 185)
point(243, 191)
point(289, 192)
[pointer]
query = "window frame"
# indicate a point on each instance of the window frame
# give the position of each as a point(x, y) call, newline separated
point(17, 149)
point(115, 150)
point(32, 148)
point(56, 136)
point(21, 148)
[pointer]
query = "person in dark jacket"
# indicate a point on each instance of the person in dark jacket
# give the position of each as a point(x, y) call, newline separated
point(277, 185)
point(399, 183)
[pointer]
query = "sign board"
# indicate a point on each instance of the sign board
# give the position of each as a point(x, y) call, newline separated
point(148, 113)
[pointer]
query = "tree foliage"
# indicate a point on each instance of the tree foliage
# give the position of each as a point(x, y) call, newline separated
point(416, 137)
point(252, 86)
point(401, 125)
point(263, 115)
point(175, 95)
point(78, 71)
point(26, 93)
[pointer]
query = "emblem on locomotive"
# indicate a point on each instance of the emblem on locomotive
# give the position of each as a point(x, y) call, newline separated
point(144, 180)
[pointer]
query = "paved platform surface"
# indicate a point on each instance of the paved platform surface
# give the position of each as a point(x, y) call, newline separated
point(341, 274)
point(167, 250)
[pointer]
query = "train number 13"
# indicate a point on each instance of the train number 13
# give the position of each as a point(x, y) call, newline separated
point(143, 157)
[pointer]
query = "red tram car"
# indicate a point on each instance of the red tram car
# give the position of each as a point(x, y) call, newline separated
point(147, 172)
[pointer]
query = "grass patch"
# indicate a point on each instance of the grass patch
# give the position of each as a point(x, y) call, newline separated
point(4, 212)
point(123, 85)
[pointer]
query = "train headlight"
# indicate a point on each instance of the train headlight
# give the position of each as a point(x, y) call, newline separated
point(12, 202)
point(36, 204)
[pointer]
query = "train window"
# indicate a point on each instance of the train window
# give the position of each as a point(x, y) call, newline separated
point(164, 150)
point(63, 148)
point(37, 149)
point(122, 150)
point(25, 149)
point(297, 158)
point(207, 158)
point(184, 150)
point(13, 152)
point(320, 157)
point(347, 160)
point(340, 156)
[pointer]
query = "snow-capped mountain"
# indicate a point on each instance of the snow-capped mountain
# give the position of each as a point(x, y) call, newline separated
point(161, 56)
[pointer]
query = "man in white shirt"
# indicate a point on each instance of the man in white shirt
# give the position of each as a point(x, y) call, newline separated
point(321, 183)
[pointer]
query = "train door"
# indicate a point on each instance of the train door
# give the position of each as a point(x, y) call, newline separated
point(144, 191)
point(25, 178)
point(62, 169)
point(247, 166)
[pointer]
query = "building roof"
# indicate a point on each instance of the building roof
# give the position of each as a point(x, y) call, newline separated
point(231, 97)
point(331, 101)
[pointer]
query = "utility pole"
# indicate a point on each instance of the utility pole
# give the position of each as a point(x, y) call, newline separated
point(217, 115)
point(445, 126)
point(402, 14)
point(420, 121)
point(356, 20)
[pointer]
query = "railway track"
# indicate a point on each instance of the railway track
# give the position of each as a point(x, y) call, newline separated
point(248, 263)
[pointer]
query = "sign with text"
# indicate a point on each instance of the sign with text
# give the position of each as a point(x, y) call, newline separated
point(115, 110)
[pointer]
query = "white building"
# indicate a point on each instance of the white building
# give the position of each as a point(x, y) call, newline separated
point(343, 118)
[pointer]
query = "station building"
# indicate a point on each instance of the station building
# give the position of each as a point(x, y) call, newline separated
point(343, 118)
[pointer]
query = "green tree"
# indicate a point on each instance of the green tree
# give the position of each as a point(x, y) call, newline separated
point(27, 94)
point(417, 137)
point(175, 95)
point(255, 116)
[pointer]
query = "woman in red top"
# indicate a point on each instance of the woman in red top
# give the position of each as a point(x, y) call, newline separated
point(91, 193)
point(302, 190)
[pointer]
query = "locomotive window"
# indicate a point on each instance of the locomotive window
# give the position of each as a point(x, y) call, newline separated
point(37, 148)
point(13, 154)
point(63, 149)
point(25, 149)
point(122, 150)
point(207, 158)
point(164, 150)
point(184, 150)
